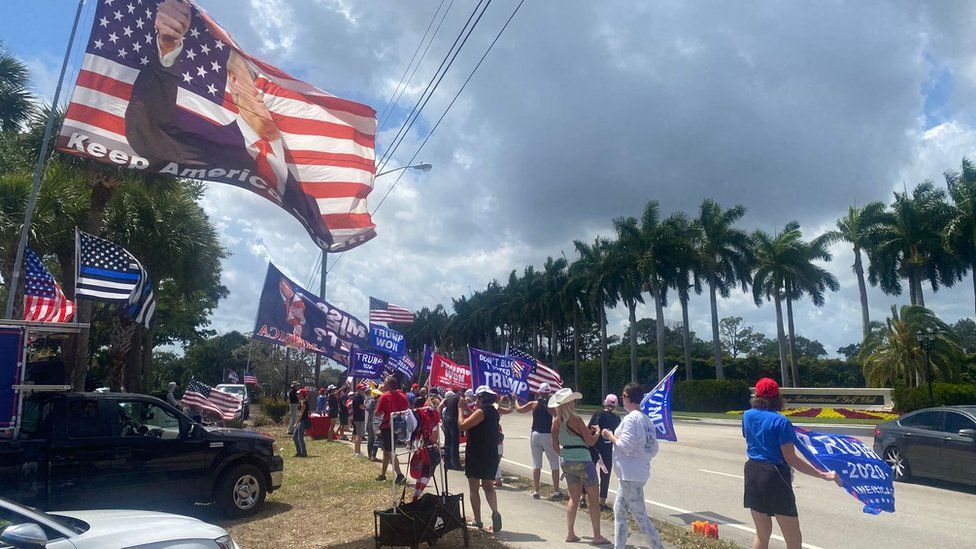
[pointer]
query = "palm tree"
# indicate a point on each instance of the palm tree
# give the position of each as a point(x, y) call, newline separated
point(625, 255)
point(16, 100)
point(908, 243)
point(891, 355)
point(774, 258)
point(805, 277)
point(960, 233)
point(553, 281)
point(858, 228)
point(725, 254)
point(593, 270)
point(684, 278)
point(574, 301)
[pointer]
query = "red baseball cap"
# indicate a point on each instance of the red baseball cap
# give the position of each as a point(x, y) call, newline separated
point(415, 386)
point(767, 388)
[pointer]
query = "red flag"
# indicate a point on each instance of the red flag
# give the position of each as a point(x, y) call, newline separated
point(444, 372)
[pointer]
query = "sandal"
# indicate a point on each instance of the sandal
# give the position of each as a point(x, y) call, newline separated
point(601, 541)
point(574, 539)
point(496, 522)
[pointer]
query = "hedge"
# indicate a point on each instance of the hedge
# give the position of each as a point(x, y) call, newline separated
point(908, 399)
point(274, 409)
point(710, 395)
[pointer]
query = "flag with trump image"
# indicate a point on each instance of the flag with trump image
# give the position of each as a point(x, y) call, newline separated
point(164, 89)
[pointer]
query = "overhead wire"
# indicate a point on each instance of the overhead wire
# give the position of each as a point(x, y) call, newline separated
point(394, 97)
point(434, 83)
point(441, 118)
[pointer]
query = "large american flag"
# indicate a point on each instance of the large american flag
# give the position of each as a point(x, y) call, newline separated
point(250, 378)
point(540, 372)
point(43, 299)
point(204, 397)
point(328, 142)
point(381, 311)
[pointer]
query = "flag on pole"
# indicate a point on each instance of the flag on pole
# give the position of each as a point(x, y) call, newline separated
point(657, 406)
point(204, 397)
point(381, 311)
point(230, 376)
point(250, 378)
point(108, 272)
point(540, 372)
point(43, 299)
point(105, 270)
point(164, 89)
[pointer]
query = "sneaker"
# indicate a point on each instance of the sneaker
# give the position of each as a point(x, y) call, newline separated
point(400, 479)
point(358, 455)
point(557, 496)
point(381, 478)
point(536, 495)
point(583, 504)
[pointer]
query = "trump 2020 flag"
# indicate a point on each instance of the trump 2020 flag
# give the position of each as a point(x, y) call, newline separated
point(863, 474)
point(164, 89)
point(657, 406)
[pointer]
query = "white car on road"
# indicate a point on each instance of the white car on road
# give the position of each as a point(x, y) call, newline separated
point(27, 528)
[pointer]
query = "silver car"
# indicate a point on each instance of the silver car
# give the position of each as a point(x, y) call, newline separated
point(23, 527)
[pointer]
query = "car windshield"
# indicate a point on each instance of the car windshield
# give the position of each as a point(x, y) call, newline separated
point(10, 516)
point(232, 389)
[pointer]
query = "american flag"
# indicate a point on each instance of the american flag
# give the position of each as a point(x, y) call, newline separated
point(326, 150)
point(43, 299)
point(204, 397)
point(381, 311)
point(540, 373)
point(250, 378)
point(106, 271)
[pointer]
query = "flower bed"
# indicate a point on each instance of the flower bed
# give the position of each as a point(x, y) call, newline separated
point(832, 413)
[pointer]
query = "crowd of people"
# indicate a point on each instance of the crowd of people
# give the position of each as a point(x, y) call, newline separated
point(580, 454)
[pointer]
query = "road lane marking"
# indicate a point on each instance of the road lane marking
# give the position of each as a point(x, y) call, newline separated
point(722, 474)
point(741, 527)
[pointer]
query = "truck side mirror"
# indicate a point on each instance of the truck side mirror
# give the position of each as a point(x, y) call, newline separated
point(24, 536)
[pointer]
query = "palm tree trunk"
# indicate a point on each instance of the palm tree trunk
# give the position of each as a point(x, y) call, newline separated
point(973, 268)
point(604, 381)
point(553, 346)
point(576, 358)
point(781, 339)
point(789, 319)
point(687, 337)
point(147, 355)
point(716, 342)
point(659, 311)
point(632, 309)
point(917, 280)
point(859, 271)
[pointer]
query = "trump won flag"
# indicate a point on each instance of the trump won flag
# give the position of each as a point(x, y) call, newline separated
point(164, 89)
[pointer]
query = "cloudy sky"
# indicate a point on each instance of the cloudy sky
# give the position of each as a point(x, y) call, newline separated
point(582, 113)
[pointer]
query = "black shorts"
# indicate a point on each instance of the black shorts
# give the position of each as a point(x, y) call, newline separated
point(769, 488)
point(385, 443)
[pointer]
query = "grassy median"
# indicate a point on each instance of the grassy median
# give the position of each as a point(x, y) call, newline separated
point(327, 500)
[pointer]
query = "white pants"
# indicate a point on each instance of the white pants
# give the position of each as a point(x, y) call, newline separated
point(541, 443)
point(630, 498)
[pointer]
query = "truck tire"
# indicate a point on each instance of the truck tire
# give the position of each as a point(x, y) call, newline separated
point(240, 491)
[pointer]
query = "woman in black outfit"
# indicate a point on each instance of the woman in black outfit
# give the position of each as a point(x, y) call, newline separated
point(606, 418)
point(303, 422)
point(481, 455)
point(450, 414)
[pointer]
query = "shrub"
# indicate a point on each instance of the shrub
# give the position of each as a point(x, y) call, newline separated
point(275, 409)
point(262, 421)
point(710, 395)
point(909, 399)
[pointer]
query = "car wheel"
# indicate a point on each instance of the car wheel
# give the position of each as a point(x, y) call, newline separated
point(241, 491)
point(899, 465)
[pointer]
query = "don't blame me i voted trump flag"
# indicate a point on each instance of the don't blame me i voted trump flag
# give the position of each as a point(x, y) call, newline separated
point(164, 89)
point(862, 473)
point(500, 372)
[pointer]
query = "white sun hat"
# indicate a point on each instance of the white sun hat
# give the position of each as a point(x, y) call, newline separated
point(545, 389)
point(484, 390)
point(563, 396)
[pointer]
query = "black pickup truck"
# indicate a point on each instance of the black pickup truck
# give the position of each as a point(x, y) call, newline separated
point(85, 450)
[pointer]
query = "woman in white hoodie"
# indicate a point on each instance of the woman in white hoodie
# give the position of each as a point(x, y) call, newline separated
point(634, 444)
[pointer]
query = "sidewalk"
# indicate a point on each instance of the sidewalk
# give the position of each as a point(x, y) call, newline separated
point(529, 523)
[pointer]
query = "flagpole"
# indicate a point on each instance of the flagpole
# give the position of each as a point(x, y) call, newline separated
point(325, 271)
point(38, 170)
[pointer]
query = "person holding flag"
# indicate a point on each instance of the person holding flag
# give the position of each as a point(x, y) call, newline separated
point(634, 445)
point(768, 474)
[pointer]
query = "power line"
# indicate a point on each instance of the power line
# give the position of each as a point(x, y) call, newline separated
point(390, 101)
point(441, 118)
point(433, 85)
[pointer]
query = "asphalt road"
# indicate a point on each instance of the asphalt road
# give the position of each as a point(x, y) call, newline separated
point(700, 478)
